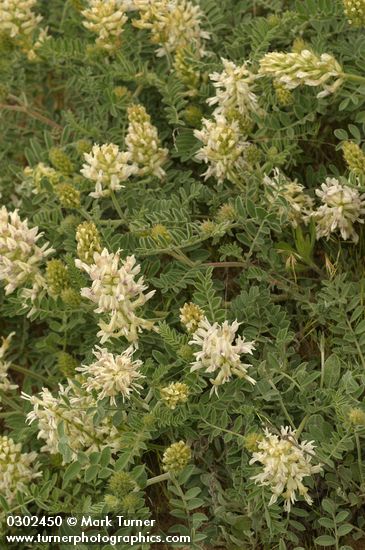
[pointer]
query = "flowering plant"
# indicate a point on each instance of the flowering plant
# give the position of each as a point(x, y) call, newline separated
point(182, 327)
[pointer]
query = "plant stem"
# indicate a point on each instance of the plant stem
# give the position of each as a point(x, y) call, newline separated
point(359, 457)
point(117, 206)
point(8, 401)
point(301, 426)
point(30, 373)
point(158, 479)
point(285, 410)
point(354, 77)
point(30, 112)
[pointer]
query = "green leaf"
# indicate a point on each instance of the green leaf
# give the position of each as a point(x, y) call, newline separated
point(344, 529)
point(325, 540)
point(329, 506)
point(91, 473)
point(71, 472)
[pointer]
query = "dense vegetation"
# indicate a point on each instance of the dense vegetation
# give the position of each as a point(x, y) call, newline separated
point(182, 267)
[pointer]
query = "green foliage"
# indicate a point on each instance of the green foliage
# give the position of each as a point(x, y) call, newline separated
point(228, 245)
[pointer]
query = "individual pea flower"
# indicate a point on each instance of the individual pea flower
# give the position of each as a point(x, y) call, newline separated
point(82, 434)
point(20, 254)
point(88, 241)
point(223, 148)
point(17, 469)
point(355, 12)
point(190, 316)
point(68, 196)
point(176, 457)
point(39, 172)
point(342, 207)
point(234, 95)
point(118, 294)
point(107, 166)
point(107, 19)
point(5, 384)
point(173, 25)
point(220, 352)
point(354, 157)
point(174, 393)
point(297, 68)
point(143, 143)
point(286, 462)
point(298, 205)
point(56, 276)
point(112, 375)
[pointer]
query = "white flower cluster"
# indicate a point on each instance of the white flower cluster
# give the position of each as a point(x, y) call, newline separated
point(285, 464)
point(234, 94)
point(19, 22)
point(143, 143)
point(220, 351)
point(342, 207)
point(20, 255)
point(297, 68)
point(17, 469)
point(107, 166)
point(5, 384)
point(222, 149)
point(106, 18)
point(224, 137)
point(112, 375)
point(299, 205)
point(17, 17)
point(73, 408)
point(116, 293)
point(173, 24)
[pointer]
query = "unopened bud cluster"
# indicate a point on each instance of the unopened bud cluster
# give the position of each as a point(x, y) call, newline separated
point(354, 157)
point(176, 457)
point(88, 241)
point(190, 316)
point(174, 393)
point(355, 12)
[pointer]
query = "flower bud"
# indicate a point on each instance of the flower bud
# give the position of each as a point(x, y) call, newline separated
point(354, 157)
point(120, 484)
point(357, 417)
point(57, 276)
point(88, 241)
point(190, 316)
point(68, 196)
point(176, 457)
point(61, 161)
point(174, 393)
point(66, 364)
